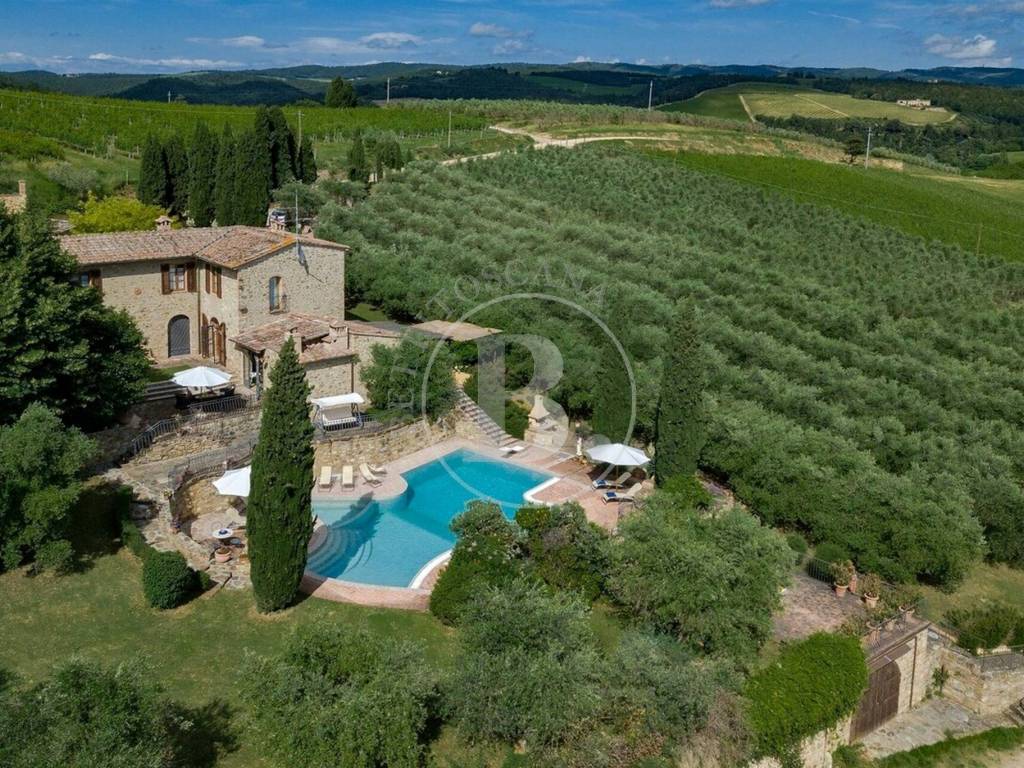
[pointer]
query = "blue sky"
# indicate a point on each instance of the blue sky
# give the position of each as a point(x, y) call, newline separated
point(178, 35)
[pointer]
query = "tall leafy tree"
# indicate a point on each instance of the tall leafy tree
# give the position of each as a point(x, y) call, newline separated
point(154, 185)
point(202, 169)
point(680, 428)
point(340, 93)
point(251, 180)
point(59, 344)
point(307, 169)
point(176, 158)
point(224, 182)
point(280, 518)
point(358, 167)
point(40, 464)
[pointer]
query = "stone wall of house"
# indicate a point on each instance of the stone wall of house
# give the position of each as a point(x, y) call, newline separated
point(136, 287)
point(987, 685)
point(916, 670)
point(380, 447)
point(318, 288)
point(330, 377)
point(223, 309)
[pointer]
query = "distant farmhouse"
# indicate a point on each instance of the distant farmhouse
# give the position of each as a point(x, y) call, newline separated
point(915, 103)
point(232, 296)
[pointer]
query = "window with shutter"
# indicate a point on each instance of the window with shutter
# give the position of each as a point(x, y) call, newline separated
point(190, 278)
point(206, 272)
point(165, 278)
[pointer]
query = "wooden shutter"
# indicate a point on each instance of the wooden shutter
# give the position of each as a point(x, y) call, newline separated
point(96, 280)
point(165, 278)
point(190, 277)
point(218, 275)
point(206, 271)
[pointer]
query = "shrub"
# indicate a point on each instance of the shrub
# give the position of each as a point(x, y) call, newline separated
point(798, 544)
point(987, 627)
point(341, 696)
point(415, 376)
point(114, 214)
point(691, 492)
point(870, 585)
point(167, 580)
point(527, 669)
point(87, 716)
point(486, 554)
point(812, 685)
point(842, 573)
point(713, 583)
point(565, 549)
point(831, 553)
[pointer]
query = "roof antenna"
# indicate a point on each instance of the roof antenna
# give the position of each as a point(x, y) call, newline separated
point(298, 243)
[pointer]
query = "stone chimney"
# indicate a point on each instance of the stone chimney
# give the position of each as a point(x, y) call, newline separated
point(22, 188)
point(276, 225)
point(163, 224)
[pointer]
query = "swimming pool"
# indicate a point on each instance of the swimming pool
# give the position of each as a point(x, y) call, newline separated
point(387, 542)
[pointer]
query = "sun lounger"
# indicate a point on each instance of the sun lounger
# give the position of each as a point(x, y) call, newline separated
point(325, 476)
point(618, 482)
point(346, 477)
point(378, 469)
point(367, 475)
point(512, 450)
point(629, 495)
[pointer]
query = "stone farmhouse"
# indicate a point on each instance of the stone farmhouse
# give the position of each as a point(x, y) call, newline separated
point(232, 296)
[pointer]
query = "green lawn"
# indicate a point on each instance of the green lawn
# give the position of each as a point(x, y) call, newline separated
point(997, 748)
point(721, 103)
point(986, 583)
point(365, 312)
point(165, 373)
point(99, 613)
point(950, 209)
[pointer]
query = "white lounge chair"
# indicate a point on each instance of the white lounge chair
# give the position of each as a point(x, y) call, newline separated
point(378, 469)
point(347, 480)
point(368, 476)
point(325, 476)
point(512, 450)
point(629, 495)
point(618, 482)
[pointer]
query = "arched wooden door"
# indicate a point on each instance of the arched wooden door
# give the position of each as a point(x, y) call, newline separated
point(178, 336)
point(881, 701)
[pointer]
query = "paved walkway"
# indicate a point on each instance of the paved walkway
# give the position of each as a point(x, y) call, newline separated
point(932, 721)
point(810, 606)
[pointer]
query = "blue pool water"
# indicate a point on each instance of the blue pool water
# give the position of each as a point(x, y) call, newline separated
point(387, 542)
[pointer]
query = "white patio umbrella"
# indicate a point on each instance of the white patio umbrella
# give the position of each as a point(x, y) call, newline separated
point(618, 455)
point(201, 377)
point(234, 482)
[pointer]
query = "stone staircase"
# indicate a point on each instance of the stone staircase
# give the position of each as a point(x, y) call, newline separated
point(161, 390)
point(1016, 714)
point(484, 423)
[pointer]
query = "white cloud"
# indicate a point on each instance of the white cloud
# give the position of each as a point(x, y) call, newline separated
point(175, 62)
point(12, 57)
point(479, 29)
point(977, 51)
point(582, 60)
point(391, 40)
point(506, 47)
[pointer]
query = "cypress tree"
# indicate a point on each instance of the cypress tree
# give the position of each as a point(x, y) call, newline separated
point(307, 169)
point(613, 395)
point(340, 93)
point(679, 429)
point(279, 518)
point(283, 155)
point(357, 167)
point(252, 180)
point(224, 184)
point(177, 175)
point(153, 182)
point(202, 167)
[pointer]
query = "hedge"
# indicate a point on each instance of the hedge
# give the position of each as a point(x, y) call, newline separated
point(167, 580)
point(811, 686)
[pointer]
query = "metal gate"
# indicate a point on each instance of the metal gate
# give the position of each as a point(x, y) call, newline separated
point(178, 342)
point(880, 702)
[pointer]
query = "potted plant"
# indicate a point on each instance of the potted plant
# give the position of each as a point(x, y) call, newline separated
point(842, 573)
point(871, 589)
point(222, 554)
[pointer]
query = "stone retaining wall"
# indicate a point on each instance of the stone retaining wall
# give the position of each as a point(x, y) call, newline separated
point(387, 445)
point(198, 435)
point(987, 685)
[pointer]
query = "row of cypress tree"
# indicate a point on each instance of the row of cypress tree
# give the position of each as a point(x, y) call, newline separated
point(227, 180)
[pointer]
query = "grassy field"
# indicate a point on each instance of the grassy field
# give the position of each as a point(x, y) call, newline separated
point(950, 209)
point(997, 748)
point(985, 584)
point(786, 101)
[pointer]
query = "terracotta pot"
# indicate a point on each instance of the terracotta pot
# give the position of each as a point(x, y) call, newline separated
point(870, 600)
point(841, 589)
point(222, 554)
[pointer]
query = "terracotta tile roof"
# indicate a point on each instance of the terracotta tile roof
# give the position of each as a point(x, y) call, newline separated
point(323, 337)
point(231, 247)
